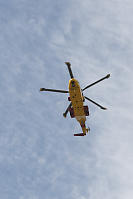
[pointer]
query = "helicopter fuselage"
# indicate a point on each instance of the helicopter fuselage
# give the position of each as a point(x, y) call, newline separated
point(77, 99)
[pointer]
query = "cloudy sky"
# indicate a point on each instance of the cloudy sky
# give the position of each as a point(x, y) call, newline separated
point(39, 156)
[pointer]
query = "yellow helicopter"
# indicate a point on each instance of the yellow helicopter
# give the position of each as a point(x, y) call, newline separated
point(76, 107)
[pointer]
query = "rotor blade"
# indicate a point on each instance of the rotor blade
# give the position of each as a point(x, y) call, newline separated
point(65, 114)
point(53, 90)
point(95, 103)
point(69, 68)
point(106, 77)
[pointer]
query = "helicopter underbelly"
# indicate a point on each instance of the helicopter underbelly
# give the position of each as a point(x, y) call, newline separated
point(77, 102)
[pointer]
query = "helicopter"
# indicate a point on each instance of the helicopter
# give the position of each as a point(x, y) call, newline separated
point(76, 107)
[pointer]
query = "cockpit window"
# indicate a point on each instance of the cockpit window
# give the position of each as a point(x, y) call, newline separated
point(73, 83)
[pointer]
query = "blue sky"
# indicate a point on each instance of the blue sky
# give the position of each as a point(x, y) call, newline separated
point(39, 156)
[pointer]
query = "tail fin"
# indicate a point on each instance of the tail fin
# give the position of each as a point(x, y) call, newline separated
point(79, 134)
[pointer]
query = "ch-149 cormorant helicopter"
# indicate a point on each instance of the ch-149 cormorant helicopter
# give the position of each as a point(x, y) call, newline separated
point(76, 107)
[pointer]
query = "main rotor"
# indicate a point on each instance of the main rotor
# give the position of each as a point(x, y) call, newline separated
point(90, 85)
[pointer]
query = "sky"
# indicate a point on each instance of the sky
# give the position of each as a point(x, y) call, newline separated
point(39, 156)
